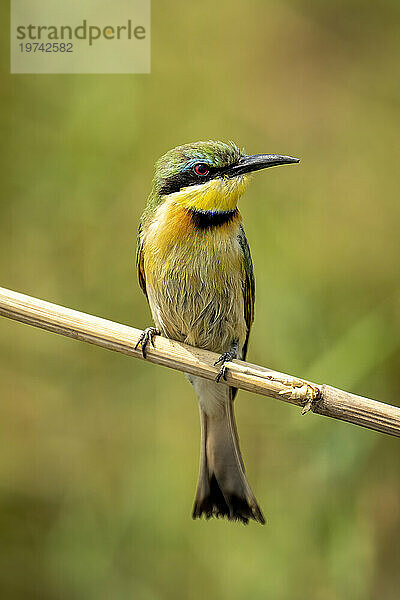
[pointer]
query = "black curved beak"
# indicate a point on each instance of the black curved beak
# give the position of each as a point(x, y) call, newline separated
point(256, 162)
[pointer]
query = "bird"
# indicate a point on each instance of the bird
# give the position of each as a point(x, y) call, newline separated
point(195, 269)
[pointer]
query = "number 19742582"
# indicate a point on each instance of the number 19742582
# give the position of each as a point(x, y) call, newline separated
point(47, 47)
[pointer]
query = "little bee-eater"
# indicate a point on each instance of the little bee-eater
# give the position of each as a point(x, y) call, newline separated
point(196, 271)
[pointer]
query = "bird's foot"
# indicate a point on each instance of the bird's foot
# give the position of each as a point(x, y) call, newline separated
point(225, 358)
point(146, 336)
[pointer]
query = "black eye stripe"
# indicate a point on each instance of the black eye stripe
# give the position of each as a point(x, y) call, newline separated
point(176, 182)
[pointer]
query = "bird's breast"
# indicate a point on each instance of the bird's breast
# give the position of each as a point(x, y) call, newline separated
point(194, 274)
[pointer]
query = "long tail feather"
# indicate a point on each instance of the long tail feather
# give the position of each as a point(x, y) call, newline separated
point(223, 489)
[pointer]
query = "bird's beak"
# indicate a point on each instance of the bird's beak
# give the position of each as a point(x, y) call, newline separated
point(255, 162)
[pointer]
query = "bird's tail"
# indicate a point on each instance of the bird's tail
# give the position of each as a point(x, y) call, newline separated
point(223, 489)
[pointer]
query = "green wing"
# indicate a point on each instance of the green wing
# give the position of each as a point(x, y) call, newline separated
point(248, 286)
point(140, 262)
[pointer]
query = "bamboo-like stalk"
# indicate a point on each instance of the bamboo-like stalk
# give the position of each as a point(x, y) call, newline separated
point(321, 399)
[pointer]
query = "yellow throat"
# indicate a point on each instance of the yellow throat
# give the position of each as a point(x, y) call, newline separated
point(216, 194)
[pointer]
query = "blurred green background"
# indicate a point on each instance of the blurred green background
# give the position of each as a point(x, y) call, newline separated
point(99, 452)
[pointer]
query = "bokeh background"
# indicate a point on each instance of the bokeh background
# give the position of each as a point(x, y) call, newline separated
point(99, 452)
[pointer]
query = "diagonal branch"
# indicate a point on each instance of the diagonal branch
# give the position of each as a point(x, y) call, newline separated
point(321, 399)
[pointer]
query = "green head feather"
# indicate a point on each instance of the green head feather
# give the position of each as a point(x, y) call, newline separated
point(177, 164)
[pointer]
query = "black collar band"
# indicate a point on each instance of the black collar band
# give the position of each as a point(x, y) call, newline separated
point(203, 219)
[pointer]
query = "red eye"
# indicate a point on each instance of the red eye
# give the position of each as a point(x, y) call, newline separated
point(201, 169)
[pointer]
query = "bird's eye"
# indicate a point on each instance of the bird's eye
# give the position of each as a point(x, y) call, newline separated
point(201, 169)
